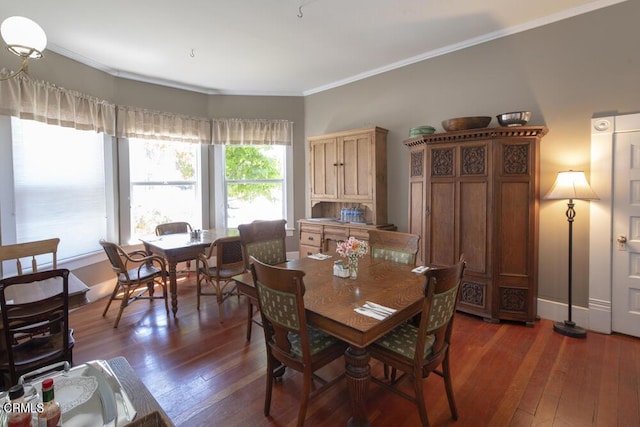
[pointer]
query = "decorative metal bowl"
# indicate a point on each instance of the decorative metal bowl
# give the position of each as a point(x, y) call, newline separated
point(516, 118)
point(464, 123)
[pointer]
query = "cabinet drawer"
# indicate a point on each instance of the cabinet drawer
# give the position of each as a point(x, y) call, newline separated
point(305, 250)
point(311, 228)
point(359, 233)
point(310, 239)
point(338, 233)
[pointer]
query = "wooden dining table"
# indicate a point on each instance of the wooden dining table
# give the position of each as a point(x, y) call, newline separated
point(330, 302)
point(181, 247)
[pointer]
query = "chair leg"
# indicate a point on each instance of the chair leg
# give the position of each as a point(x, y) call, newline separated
point(113, 296)
point(198, 292)
point(165, 295)
point(123, 305)
point(446, 375)
point(267, 396)
point(220, 301)
point(307, 382)
point(249, 319)
point(422, 409)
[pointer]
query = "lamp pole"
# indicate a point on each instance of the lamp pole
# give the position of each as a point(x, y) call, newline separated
point(568, 327)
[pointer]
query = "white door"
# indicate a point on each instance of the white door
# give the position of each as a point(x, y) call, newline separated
point(625, 292)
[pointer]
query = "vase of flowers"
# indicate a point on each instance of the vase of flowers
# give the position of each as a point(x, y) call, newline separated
point(352, 249)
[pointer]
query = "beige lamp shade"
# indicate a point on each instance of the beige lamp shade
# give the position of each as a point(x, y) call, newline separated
point(571, 185)
point(23, 37)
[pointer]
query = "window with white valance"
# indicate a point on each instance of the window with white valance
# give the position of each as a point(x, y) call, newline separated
point(146, 124)
point(44, 102)
point(252, 132)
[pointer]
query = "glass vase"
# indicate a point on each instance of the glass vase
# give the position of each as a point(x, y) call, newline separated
point(353, 269)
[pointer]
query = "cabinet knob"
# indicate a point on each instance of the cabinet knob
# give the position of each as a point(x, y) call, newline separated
point(427, 211)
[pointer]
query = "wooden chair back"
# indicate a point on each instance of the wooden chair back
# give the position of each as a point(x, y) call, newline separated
point(20, 252)
point(36, 333)
point(280, 299)
point(173, 228)
point(394, 246)
point(441, 291)
point(117, 259)
point(264, 240)
point(228, 255)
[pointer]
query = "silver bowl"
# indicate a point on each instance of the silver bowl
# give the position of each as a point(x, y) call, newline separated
point(516, 118)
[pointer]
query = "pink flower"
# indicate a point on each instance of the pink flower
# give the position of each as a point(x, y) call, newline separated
point(352, 248)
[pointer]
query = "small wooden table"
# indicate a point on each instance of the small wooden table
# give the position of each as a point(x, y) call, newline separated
point(330, 302)
point(181, 247)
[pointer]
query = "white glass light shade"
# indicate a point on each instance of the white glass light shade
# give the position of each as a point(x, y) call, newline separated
point(571, 185)
point(23, 36)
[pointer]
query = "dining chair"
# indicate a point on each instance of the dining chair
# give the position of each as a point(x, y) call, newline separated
point(419, 351)
point(36, 332)
point(290, 341)
point(175, 228)
point(264, 241)
point(394, 246)
point(227, 252)
point(137, 273)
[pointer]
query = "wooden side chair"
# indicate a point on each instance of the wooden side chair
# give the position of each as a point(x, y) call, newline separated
point(175, 228)
point(289, 340)
point(136, 274)
point(228, 263)
point(36, 332)
point(40, 255)
point(264, 241)
point(419, 351)
point(394, 246)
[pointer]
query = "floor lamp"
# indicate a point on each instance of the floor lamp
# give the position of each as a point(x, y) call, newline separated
point(570, 185)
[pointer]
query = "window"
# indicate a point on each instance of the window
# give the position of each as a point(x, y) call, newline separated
point(254, 183)
point(165, 185)
point(59, 187)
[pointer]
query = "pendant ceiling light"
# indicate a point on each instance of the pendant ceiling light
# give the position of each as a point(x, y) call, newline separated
point(24, 38)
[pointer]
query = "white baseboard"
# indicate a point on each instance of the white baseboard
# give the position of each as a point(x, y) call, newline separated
point(558, 312)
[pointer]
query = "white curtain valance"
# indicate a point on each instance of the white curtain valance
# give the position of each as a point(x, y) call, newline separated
point(25, 98)
point(140, 123)
point(252, 132)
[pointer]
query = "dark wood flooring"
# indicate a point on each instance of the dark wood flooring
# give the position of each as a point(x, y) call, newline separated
point(204, 373)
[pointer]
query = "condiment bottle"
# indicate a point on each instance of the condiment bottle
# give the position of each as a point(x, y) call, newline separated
point(50, 416)
point(19, 414)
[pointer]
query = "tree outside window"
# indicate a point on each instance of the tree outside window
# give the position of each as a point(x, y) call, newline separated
point(254, 183)
point(164, 184)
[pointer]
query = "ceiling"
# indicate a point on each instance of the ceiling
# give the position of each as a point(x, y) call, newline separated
point(275, 47)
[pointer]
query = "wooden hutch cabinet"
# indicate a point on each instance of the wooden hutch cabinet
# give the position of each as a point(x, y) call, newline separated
point(476, 193)
point(346, 170)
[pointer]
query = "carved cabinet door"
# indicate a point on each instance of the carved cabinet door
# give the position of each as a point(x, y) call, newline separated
point(458, 220)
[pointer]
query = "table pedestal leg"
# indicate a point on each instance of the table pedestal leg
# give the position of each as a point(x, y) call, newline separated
point(173, 288)
point(358, 376)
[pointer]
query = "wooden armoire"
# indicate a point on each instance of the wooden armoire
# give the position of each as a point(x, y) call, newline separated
point(476, 192)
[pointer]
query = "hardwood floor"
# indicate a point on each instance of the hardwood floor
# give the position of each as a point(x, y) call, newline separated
point(206, 374)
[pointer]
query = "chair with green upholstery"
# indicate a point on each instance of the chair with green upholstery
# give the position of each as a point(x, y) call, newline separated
point(394, 246)
point(419, 351)
point(265, 241)
point(290, 342)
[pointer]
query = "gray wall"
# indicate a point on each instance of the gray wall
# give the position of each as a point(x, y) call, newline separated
point(563, 72)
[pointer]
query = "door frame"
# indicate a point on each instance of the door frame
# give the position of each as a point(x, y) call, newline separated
point(603, 130)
